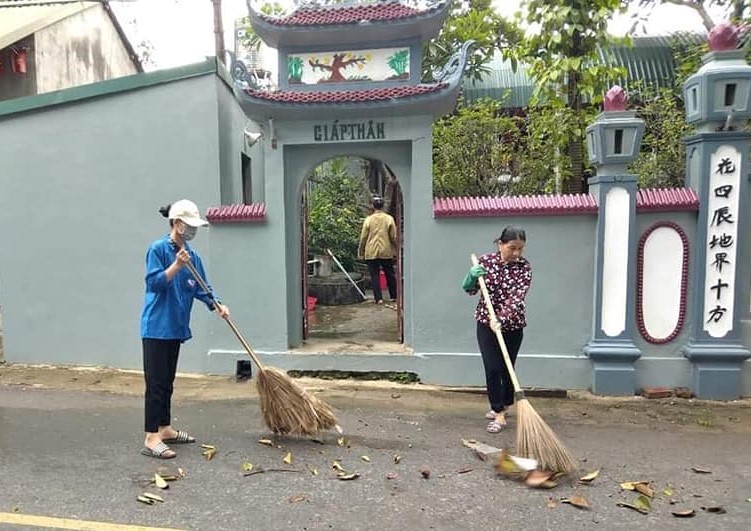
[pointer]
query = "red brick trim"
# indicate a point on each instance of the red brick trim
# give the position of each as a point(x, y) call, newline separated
point(640, 283)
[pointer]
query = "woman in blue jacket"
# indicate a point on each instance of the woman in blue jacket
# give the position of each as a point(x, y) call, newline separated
point(165, 320)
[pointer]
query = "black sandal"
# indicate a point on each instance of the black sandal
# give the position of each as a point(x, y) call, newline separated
point(181, 438)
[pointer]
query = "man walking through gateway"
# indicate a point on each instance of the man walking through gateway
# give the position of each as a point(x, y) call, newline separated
point(378, 247)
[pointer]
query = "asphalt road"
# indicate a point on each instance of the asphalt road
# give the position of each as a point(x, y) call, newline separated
point(73, 456)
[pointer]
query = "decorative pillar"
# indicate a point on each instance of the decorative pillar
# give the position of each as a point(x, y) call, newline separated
point(613, 142)
point(717, 102)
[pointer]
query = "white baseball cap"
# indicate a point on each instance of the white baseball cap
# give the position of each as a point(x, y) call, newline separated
point(187, 212)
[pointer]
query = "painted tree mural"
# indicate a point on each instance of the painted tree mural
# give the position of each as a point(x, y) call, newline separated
point(294, 69)
point(398, 62)
point(340, 62)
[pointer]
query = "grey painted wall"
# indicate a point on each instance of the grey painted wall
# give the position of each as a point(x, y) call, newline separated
point(79, 209)
point(77, 212)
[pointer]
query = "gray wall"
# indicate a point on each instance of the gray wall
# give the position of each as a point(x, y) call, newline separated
point(79, 209)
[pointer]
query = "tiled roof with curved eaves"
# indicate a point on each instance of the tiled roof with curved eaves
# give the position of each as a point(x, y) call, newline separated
point(647, 200)
point(345, 96)
point(237, 213)
point(533, 205)
point(328, 15)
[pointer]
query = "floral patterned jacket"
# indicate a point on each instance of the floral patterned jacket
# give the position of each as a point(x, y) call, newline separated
point(508, 283)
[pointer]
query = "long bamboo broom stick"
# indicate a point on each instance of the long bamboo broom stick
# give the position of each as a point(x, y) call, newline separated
point(534, 438)
point(286, 407)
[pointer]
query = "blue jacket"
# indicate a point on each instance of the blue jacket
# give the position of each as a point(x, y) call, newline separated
point(167, 305)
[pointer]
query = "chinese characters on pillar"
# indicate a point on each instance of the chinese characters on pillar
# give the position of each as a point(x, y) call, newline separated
point(722, 233)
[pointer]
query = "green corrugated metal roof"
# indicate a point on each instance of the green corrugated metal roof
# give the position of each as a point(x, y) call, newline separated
point(650, 59)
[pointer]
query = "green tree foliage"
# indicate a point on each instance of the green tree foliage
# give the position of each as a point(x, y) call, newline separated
point(564, 63)
point(473, 151)
point(470, 20)
point(250, 37)
point(336, 210)
point(661, 162)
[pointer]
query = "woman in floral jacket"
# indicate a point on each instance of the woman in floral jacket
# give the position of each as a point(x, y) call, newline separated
point(507, 276)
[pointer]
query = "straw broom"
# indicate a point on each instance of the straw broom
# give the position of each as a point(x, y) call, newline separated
point(534, 438)
point(287, 408)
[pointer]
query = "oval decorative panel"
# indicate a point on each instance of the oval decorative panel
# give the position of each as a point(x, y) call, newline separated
point(661, 282)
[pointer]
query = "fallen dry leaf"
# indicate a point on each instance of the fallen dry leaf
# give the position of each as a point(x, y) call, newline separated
point(154, 497)
point(313, 470)
point(643, 502)
point(208, 447)
point(288, 458)
point(551, 503)
point(337, 466)
point(181, 472)
point(668, 491)
point(590, 477)
point(535, 478)
point(144, 499)
point(391, 475)
point(341, 441)
point(577, 501)
point(701, 470)
point(464, 470)
point(267, 442)
point(631, 485)
point(160, 482)
point(345, 477)
point(247, 466)
point(507, 466)
point(365, 458)
point(633, 507)
point(298, 498)
point(338, 429)
point(645, 489)
point(209, 453)
point(715, 509)
point(748, 500)
point(397, 458)
point(685, 513)
point(469, 443)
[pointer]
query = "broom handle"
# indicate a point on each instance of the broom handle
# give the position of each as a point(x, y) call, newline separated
point(231, 324)
point(497, 329)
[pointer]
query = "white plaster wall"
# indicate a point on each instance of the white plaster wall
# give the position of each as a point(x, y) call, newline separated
point(84, 48)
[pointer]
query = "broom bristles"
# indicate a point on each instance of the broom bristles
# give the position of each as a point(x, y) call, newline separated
point(536, 440)
point(287, 408)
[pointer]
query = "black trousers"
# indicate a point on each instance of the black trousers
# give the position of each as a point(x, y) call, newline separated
point(374, 266)
point(497, 379)
point(159, 367)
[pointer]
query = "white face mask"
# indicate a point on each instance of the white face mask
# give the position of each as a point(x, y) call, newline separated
point(188, 232)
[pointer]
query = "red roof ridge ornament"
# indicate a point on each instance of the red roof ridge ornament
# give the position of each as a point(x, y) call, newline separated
point(616, 99)
point(723, 37)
